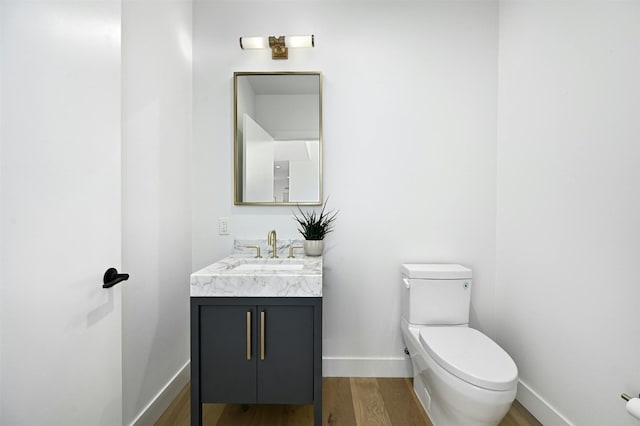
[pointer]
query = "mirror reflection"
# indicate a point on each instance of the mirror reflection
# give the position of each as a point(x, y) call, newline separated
point(278, 138)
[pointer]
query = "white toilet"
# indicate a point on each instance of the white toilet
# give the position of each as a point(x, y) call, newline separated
point(462, 377)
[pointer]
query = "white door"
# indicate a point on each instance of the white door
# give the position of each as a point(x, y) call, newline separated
point(61, 229)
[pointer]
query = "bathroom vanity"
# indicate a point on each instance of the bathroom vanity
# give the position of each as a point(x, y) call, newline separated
point(256, 333)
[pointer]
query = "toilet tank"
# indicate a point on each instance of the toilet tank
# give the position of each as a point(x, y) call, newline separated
point(436, 293)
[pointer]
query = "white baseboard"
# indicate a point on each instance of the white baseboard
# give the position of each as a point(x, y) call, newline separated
point(164, 398)
point(366, 367)
point(541, 409)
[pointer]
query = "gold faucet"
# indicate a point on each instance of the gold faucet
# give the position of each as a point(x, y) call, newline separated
point(291, 249)
point(258, 249)
point(272, 240)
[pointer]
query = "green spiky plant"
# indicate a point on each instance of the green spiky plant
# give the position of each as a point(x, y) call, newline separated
point(314, 226)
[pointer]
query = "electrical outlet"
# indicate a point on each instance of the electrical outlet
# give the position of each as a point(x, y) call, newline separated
point(223, 226)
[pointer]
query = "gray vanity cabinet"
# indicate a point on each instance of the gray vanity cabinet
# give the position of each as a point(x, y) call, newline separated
point(256, 351)
point(225, 372)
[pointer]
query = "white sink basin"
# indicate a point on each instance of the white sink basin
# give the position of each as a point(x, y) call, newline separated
point(259, 267)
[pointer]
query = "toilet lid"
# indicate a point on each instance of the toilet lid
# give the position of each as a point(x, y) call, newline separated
point(471, 356)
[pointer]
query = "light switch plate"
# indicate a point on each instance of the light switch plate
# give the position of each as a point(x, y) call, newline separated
point(224, 225)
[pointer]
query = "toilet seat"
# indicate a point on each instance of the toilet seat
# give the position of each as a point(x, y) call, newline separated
point(471, 356)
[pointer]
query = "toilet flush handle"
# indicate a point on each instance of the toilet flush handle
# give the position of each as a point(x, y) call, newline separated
point(406, 282)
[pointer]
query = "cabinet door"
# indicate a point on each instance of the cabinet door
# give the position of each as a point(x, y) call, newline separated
point(228, 354)
point(285, 375)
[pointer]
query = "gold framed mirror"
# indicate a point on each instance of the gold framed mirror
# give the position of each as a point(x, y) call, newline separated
point(277, 138)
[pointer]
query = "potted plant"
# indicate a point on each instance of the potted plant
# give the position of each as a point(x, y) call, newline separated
point(314, 227)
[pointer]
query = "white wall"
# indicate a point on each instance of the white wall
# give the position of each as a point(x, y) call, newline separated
point(305, 175)
point(2, 49)
point(568, 212)
point(289, 116)
point(257, 160)
point(246, 102)
point(409, 100)
point(156, 48)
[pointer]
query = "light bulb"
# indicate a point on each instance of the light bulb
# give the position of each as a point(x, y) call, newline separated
point(299, 41)
point(254, 42)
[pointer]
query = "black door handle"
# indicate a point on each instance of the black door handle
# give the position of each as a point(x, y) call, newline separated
point(112, 277)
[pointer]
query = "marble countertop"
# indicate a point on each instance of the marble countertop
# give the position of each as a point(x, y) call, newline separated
point(240, 275)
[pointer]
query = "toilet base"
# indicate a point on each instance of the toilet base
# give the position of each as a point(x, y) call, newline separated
point(448, 400)
point(423, 395)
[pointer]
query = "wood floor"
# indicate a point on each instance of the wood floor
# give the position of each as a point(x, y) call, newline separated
point(346, 402)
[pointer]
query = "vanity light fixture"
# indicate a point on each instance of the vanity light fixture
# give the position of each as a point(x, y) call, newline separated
point(279, 45)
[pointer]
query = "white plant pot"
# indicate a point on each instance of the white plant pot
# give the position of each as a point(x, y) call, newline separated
point(313, 247)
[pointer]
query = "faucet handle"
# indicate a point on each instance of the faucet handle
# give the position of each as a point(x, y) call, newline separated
point(291, 248)
point(257, 248)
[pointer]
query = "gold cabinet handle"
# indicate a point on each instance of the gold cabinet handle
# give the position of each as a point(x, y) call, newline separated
point(249, 336)
point(262, 316)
